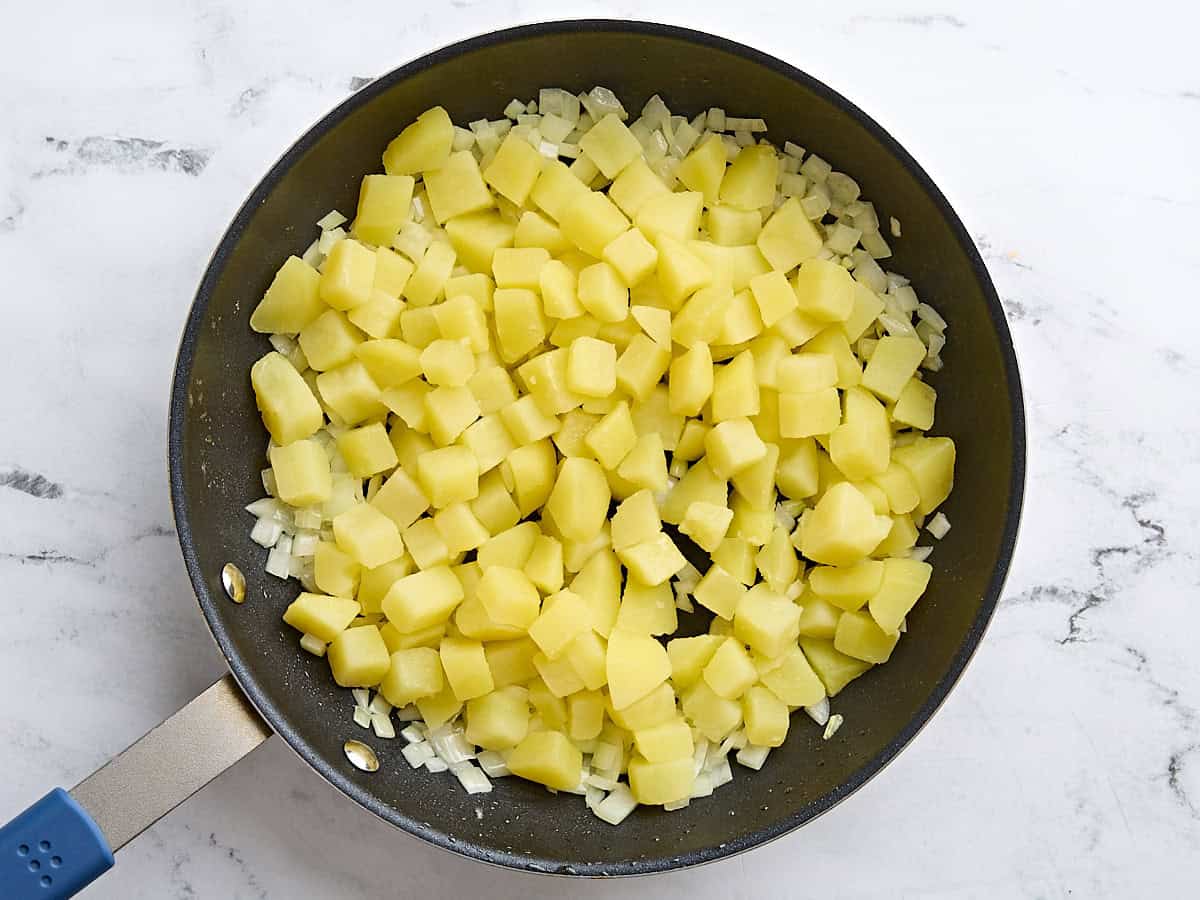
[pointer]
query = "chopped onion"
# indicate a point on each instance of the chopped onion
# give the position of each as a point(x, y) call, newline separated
point(451, 746)
point(600, 101)
point(867, 271)
point(284, 544)
point(703, 784)
point(927, 313)
point(835, 722)
point(413, 240)
point(278, 564)
point(434, 764)
point(493, 764)
point(464, 138)
point(417, 754)
point(920, 554)
point(676, 804)
point(515, 108)
point(329, 239)
point(752, 756)
point(362, 697)
point(895, 226)
point(938, 526)
point(655, 112)
point(793, 185)
point(819, 712)
point(592, 797)
point(896, 326)
point(614, 808)
point(310, 643)
point(716, 119)
point(307, 518)
point(875, 245)
point(816, 168)
point(266, 508)
point(720, 774)
point(331, 220)
point(700, 754)
point(744, 138)
point(936, 343)
point(414, 732)
point(906, 299)
point(842, 239)
point(409, 713)
point(683, 602)
point(362, 718)
point(313, 255)
point(472, 778)
point(815, 203)
point(382, 725)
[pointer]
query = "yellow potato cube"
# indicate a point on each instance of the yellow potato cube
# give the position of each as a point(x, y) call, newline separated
point(511, 662)
point(750, 524)
point(806, 373)
point(766, 717)
point(930, 461)
point(418, 326)
point(529, 473)
point(636, 664)
point(706, 524)
point(329, 340)
point(423, 145)
point(749, 182)
point(383, 206)
point(559, 675)
point(901, 538)
point(703, 168)
point(526, 421)
point(535, 230)
point(564, 617)
point(475, 238)
point(545, 376)
point(635, 520)
point(472, 621)
point(448, 475)
point(903, 583)
point(511, 548)
point(861, 446)
point(767, 621)
point(591, 222)
point(818, 617)
point(460, 319)
point(448, 362)
point(321, 616)
point(559, 288)
point(367, 535)
point(690, 382)
point(427, 637)
point(795, 329)
point(833, 667)
point(647, 610)
point(379, 316)
point(857, 635)
point(401, 499)
point(466, 668)
point(756, 483)
point(702, 317)
point(375, 583)
point(774, 296)
point(602, 293)
point(735, 389)
point(545, 564)
point(833, 342)
point(777, 561)
point(585, 715)
point(736, 557)
point(392, 272)
point(450, 411)
point(689, 656)
point(654, 783)
point(790, 678)
point(691, 442)
point(367, 450)
point(520, 323)
point(291, 302)
point(579, 500)
point(459, 528)
point(514, 169)
point(796, 476)
point(610, 145)
point(335, 572)
point(847, 587)
point(390, 363)
point(656, 708)
point(915, 405)
point(519, 267)
point(557, 190)
point(654, 322)
point(586, 657)
point(489, 440)
point(636, 184)
point(301, 473)
point(358, 657)
point(633, 257)
point(653, 561)
point(289, 409)
point(429, 280)
point(645, 466)
point(439, 708)
point(699, 483)
point(493, 389)
point(806, 415)
point(733, 446)
point(499, 720)
point(550, 706)
point(549, 758)
point(892, 365)
point(457, 188)
point(824, 290)
point(730, 671)
point(674, 215)
point(612, 437)
point(711, 714)
point(843, 527)
point(348, 275)
point(680, 271)
point(742, 321)
point(899, 487)
point(720, 592)
point(508, 595)
point(571, 432)
point(412, 674)
point(731, 227)
point(494, 506)
point(592, 367)
point(867, 307)
point(788, 237)
point(599, 583)
point(641, 366)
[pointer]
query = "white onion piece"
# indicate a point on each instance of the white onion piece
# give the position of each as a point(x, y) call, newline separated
point(819, 712)
point(938, 526)
point(614, 808)
point(752, 756)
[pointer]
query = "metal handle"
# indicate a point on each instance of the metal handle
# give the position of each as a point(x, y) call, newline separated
point(77, 833)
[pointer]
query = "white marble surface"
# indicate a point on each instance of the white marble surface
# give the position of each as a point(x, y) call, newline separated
point(1067, 135)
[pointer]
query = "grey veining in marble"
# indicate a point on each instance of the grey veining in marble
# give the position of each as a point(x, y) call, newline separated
point(1067, 135)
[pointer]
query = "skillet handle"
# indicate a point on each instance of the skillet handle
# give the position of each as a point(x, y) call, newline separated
point(66, 840)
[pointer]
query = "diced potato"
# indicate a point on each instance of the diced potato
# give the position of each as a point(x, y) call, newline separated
point(550, 706)
point(585, 715)
point(367, 450)
point(375, 583)
point(903, 583)
point(329, 340)
point(867, 307)
point(849, 587)
point(806, 415)
point(412, 674)
point(498, 720)
point(675, 215)
point(645, 466)
point(899, 487)
point(529, 474)
point(466, 668)
point(730, 671)
point(579, 500)
point(418, 325)
point(767, 621)
point(653, 561)
point(519, 267)
point(392, 272)
point(805, 373)
point(610, 145)
point(514, 169)
point(788, 237)
point(422, 599)
point(535, 230)
point(654, 322)
point(892, 365)
point(915, 405)
point(545, 377)
point(706, 524)
point(448, 475)
point(448, 362)
point(592, 367)
point(401, 499)
point(429, 280)
point(439, 708)
point(493, 389)
point(646, 609)
point(289, 409)
point(520, 323)
point(702, 316)
point(302, 475)
point(680, 271)
point(526, 421)
point(833, 342)
point(720, 592)
point(511, 662)
point(796, 476)
point(472, 621)
point(322, 616)
point(489, 440)
point(711, 714)
point(549, 758)
point(702, 170)
point(459, 528)
point(842, 528)
point(559, 287)
point(930, 461)
point(632, 256)
point(348, 275)
point(510, 548)
point(901, 538)
point(749, 181)
point(861, 446)
point(545, 564)
point(368, 535)
point(494, 506)
point(603, 293)
point(591, 222)
point(335, 572)
point(733, 446)
point(774, 295)
point(635, 520)
point(558, 674)
point(611, 439)
point(450, 411)
point(690, 381)
point(824, 290)
point(742, 320)
point(509, 597)
point(586, 655)
point(564, 617)
point(641, 366)
point(457, 187)
point(857, 635)
point(750, 524)
point(835, 669)
point(390, 363)
point(736, 557)
point(689, 656)
point(699, 483)
point(556, 191)
point(735, 389)
point(635, 184)
point(790, 678)
point(756, 483)
point(731, 227)
point(423, 145)
point(766, 717)
point(475, 238)
point(691, 441)
point(291, 302)
point(636, 664)
point(654, 783)
point(358, 657)
point(383, 206)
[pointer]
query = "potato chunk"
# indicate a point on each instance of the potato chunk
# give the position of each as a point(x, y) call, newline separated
point(549, 758)
point(289, 409)
point(358, 657)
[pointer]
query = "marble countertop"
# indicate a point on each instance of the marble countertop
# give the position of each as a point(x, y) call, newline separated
point(1067, 762)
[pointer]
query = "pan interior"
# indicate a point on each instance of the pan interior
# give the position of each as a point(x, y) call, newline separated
point(217, 444)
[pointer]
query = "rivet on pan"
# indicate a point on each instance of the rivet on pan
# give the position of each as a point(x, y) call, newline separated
point(361, 756)
point(234, 583)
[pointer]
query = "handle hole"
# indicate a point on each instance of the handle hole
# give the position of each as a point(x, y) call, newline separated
point(56, 861)
point(44, 846)
point(45, 881)
point(23, 850)
point(34, 865)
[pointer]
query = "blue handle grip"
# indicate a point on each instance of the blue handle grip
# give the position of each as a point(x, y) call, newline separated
point(51, 851)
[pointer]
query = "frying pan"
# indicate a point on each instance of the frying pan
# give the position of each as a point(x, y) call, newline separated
point(216, 452)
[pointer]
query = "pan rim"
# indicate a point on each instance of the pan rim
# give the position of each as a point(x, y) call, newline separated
point(265, 704)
